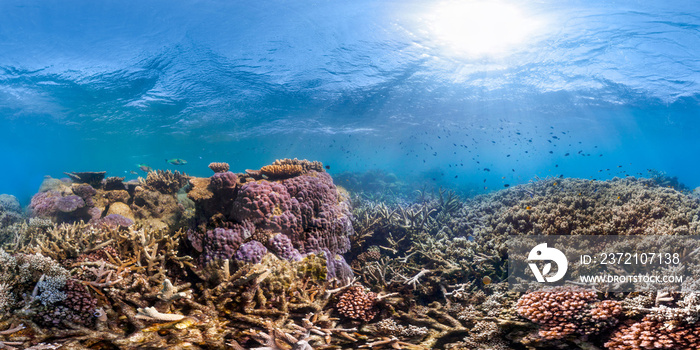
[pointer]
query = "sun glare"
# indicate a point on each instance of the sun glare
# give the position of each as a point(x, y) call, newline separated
point(481, 28)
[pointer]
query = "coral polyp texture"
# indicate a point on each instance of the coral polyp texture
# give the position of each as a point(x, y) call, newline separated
point(282, 258)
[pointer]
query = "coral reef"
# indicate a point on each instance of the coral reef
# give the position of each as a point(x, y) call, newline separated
point(259, 260)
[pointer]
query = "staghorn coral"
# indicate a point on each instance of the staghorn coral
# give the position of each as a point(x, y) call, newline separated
point(219, 167)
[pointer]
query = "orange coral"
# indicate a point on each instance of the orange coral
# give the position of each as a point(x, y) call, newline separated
point(282, 171)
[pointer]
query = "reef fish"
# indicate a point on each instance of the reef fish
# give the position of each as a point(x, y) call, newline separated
point(176, 161)
point(144, 167)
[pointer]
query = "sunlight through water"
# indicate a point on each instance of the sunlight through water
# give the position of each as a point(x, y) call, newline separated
point(481, 28)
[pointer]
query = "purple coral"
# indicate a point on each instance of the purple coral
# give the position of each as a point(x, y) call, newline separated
point(269, 206)
point(223, 181)
point(85, 192)
point(337, 267)
point(322, 212)
point(220, 243)
point(282, 246)
point(115, 221)
point(251, 252)
point(44, 203)
point(69, 204)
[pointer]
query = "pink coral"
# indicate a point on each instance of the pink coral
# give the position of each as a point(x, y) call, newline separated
point(563, 311)
point(650, 335)
point(357, 304)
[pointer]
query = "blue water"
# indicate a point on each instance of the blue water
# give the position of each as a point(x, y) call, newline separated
point(359, 85)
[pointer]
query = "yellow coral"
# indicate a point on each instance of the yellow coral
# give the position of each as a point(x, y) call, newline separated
point(282, 171)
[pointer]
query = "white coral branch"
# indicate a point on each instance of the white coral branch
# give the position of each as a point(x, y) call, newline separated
point(150, 313)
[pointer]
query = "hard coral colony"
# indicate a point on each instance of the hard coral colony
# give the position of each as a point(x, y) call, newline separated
point(258, 260)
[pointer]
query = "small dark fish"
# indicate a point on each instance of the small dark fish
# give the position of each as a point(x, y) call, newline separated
point(566, 155)
point(550, 152)
point(176, 161)
point(487, 169)
point(328, 166)
point(506, 185)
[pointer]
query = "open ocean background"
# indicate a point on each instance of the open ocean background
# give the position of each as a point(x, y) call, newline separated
point(601, 89)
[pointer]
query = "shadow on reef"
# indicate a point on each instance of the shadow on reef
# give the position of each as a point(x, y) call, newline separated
point(256, 260)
